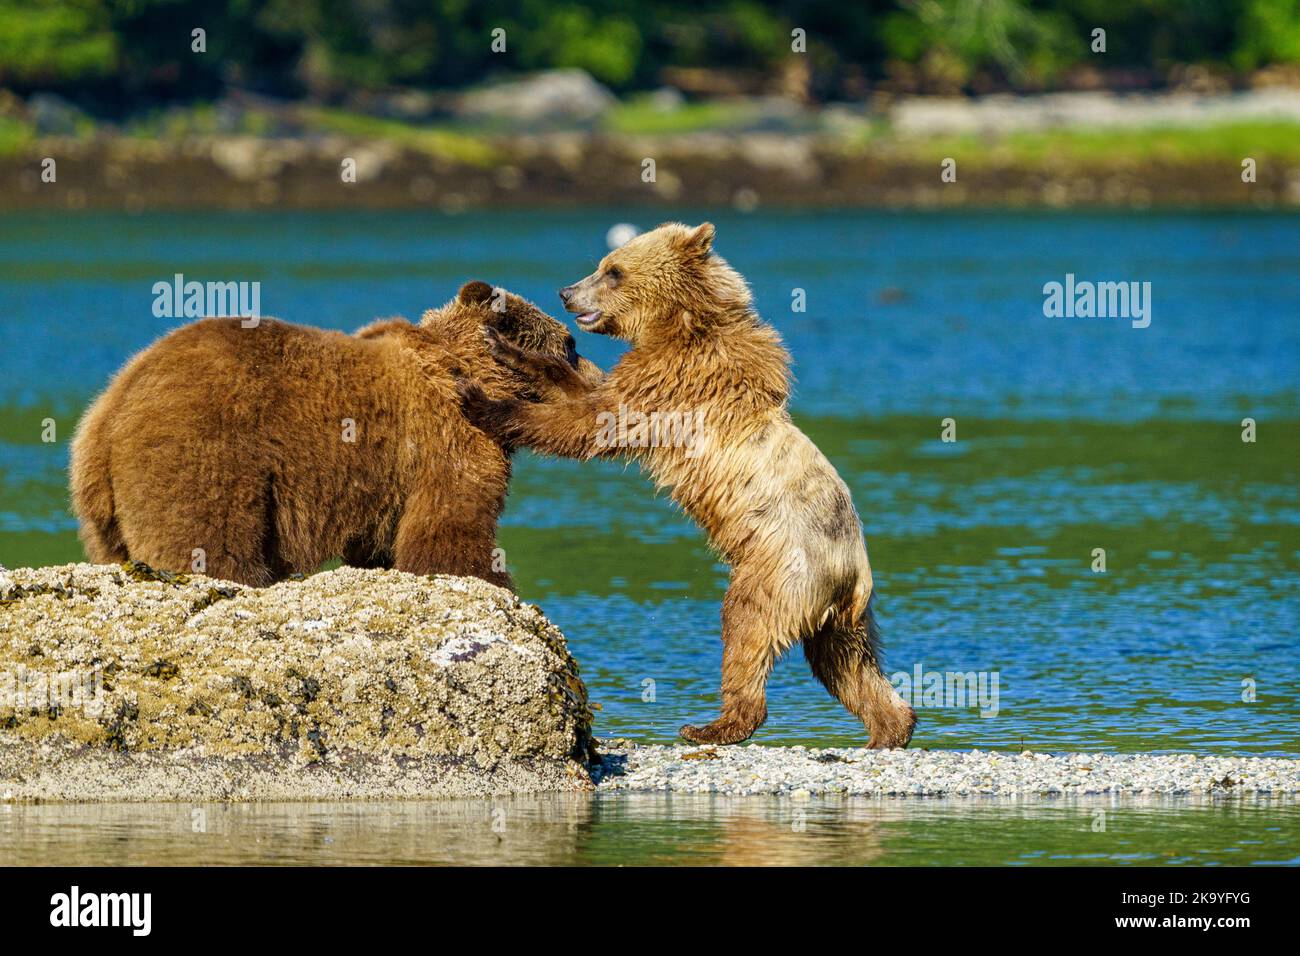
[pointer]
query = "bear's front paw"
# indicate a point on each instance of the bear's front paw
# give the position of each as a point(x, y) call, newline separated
point(494, 417)
point(506, 353)
point(537, 370)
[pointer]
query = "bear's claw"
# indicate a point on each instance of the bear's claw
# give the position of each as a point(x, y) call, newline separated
point(717, 732)
point(501, 350)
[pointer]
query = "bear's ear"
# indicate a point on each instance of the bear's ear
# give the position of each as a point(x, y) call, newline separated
point(475, 292)
point(700, 239)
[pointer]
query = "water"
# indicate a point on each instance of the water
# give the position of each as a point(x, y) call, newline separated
point(652, 829)
point(1073, 435)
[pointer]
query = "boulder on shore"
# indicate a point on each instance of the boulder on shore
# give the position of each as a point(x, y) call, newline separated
point(547, 97)
point(124, 683)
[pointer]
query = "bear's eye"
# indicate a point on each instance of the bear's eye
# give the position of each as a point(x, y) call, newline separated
point(614, 274)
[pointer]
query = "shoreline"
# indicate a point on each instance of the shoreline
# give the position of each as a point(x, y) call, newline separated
point(72, 775)
point(745, 172)
point(755, 770)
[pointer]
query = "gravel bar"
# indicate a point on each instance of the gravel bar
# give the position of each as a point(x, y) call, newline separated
point(803, 771)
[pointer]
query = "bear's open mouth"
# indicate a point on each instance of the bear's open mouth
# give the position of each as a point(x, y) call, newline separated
point(588, 319)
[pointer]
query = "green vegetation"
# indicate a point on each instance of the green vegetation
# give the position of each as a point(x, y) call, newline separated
point(56, 42)
point(198, 119)
point(14, 135)
point(436, 141)
point(116, 52)
point(640, 116)
point(1227, 142)
point(1269, 32)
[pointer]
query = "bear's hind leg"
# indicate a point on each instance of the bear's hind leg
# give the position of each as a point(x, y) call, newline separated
point(846, 660)
point(242, 567)
point(219, 529)
point(751, 641)
point(450, 533)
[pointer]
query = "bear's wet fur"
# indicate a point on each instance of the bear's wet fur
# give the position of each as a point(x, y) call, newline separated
point(253, 453)
point(772, 504)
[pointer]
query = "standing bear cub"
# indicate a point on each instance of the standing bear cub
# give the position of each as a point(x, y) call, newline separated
point(770, 501)
point(251, 453)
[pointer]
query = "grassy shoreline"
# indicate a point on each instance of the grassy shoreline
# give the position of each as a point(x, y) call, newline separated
point(400, 166)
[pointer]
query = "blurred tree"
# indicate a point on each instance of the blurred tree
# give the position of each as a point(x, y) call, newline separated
point(957, 37)
point(605, 44)
point(135, 52)
point(55, 42)
point(1270, 33)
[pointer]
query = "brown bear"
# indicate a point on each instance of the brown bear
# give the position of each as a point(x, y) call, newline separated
point(700, 401)
point(251, 453)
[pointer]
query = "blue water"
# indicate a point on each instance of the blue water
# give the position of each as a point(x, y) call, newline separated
point(1073, 434)
point(905, 311)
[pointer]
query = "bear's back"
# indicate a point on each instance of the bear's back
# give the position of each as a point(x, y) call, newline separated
point(217, 380)
point(270, 347)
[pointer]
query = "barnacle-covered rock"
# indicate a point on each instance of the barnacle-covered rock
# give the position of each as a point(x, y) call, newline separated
point(121, 683)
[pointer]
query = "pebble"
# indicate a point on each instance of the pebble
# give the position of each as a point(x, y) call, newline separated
point(800, 772)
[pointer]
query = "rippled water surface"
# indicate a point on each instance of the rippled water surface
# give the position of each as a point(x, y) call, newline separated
point(1073, 435)
point(657, 829)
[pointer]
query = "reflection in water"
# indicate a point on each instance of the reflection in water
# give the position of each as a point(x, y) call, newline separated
point(660, 828)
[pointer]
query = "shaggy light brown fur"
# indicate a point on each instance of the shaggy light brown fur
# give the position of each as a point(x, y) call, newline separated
point(770, 501)
point(232, 444)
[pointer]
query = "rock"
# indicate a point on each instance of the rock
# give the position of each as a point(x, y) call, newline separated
point(620, 234)
point(12, 106)
point(408, 105)
point(121, 683)
point(547, 97)
point(52, 115)
point(667, 99)
point(1006, 113)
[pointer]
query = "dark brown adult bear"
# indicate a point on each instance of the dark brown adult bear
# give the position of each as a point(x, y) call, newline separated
point(251, 453)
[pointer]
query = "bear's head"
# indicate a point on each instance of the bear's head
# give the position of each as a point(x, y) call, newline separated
point(660, 282)
point(523, 324)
